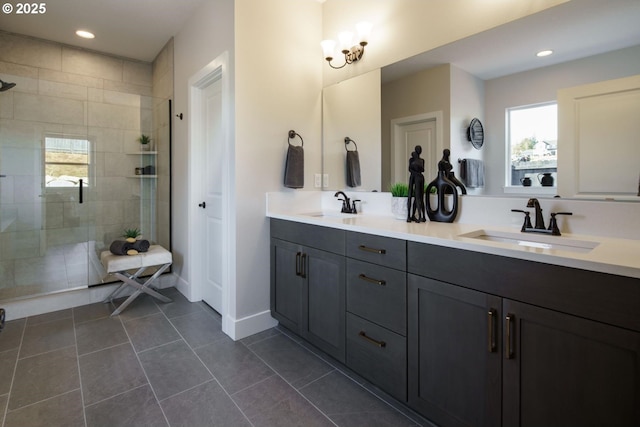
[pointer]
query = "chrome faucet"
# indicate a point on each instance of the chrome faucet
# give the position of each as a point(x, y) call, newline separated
point(539, 221)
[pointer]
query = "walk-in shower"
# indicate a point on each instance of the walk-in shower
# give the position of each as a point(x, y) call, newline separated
point(69, 158)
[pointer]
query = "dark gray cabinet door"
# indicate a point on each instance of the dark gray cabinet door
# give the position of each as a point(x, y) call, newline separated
point(562, 370)
point(454, 355)
point(324, 323)
point(287, 284)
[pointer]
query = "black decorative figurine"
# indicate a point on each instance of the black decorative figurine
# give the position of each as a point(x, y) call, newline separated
point(443, 186)
point(415, 201)
point(446, 165)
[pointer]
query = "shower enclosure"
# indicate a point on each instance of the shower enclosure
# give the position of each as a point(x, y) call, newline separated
point(73, 176)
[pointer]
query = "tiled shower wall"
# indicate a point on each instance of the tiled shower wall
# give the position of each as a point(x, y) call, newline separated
point(67, 91)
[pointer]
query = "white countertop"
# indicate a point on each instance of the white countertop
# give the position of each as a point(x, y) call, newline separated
point(611, 255)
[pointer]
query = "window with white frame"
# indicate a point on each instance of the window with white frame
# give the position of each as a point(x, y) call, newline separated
point(66, 161)
point(532, 143)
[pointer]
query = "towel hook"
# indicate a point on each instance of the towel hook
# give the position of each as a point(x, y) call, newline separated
point(293, 134)
point(347, 140)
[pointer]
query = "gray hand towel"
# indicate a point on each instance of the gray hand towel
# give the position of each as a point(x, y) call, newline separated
point(120, 247)
point(353, 169)
point(141, 245)
point(472, 172)
point(294, 167)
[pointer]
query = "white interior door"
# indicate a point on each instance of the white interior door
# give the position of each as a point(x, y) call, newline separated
point(406, 137)
point(210, 242)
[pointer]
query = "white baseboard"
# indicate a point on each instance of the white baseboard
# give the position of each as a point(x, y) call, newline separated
point(249, 325)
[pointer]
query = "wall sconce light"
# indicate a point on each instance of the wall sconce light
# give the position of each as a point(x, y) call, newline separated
point(352, 53)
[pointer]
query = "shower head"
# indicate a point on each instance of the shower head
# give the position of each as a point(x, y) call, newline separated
point(6, 86)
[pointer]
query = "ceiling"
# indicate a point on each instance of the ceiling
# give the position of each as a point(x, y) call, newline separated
point(135, 29)
point(139, 29)
point(573, 30)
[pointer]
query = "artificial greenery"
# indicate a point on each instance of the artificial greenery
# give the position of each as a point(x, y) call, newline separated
point(399, 189)
point(131, 233)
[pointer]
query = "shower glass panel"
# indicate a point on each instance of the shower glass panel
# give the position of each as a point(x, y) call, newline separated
point(44, 227)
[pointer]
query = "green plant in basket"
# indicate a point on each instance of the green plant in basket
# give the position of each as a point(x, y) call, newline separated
point(144, 139)
point(399, 189)
point(130, 234)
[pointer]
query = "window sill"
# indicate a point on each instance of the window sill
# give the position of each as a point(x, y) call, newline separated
point(533, 190)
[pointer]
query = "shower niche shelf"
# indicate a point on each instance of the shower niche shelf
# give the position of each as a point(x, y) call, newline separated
point(152, 164)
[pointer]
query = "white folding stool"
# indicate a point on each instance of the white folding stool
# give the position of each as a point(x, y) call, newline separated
point(119, 264)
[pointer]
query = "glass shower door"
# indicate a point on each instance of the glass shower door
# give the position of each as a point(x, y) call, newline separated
point(44, 229)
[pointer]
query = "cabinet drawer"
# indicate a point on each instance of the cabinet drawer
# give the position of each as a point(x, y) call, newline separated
point(324, 238)
point(378, 294)
point(377, 354)
point(378, 250)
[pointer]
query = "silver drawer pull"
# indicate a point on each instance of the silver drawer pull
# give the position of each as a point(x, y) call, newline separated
point(370, 280)
point(374, 250)
point(380, 344)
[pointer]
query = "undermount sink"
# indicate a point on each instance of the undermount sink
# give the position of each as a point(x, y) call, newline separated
point(533, 240)
point(329, 215)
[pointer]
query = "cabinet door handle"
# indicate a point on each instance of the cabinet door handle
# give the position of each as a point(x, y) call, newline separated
point(371, 280)
point(303, 265)
point(298, 254)
point(380, 344)
point(374, 250)
point(509, 345)
point(492, 330)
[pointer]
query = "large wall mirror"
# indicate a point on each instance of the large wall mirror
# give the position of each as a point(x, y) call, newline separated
point(487, 73)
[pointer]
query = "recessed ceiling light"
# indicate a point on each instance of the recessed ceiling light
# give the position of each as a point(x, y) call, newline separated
point(544, 53)
point(85, 34)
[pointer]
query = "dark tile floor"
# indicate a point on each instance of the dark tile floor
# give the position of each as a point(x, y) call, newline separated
point(170, 365)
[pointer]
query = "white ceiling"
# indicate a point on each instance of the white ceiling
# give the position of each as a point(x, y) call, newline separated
point(576, 29)
point(136, 29)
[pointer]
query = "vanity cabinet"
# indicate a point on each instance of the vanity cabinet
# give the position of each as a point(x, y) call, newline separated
point(484, 351)
point(464, 338)
point(308, 283)
point(376, 311)
point(454, 353)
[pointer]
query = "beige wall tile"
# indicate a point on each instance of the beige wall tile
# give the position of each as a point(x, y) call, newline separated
point(122, 98)
point(95, 95)
point(6, 105)
point(12, 69)
point(138, 73)
point(73, 78)
point(28, 51)
point(62, 90)
point(48, 109)
point(91, 64)
point(53, 215)
point(114, 116)
point(107, 140)
point(136, 89)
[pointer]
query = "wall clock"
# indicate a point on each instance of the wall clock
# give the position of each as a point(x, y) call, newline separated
point(475, 133)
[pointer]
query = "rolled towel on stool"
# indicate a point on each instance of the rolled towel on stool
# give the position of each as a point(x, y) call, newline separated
point(141, 245)
point(121, 247)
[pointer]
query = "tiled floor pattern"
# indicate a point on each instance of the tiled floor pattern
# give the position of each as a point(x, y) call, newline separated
point(170, 365)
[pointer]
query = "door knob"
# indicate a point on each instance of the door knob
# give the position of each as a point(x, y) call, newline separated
point(203, 205)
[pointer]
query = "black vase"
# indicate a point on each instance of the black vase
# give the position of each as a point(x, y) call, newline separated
point(546, 180)
point(443, 186)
